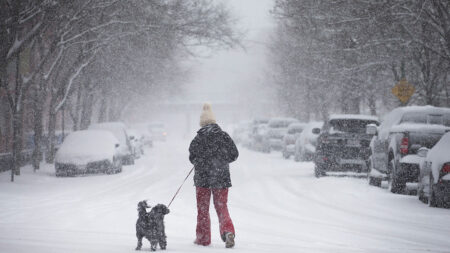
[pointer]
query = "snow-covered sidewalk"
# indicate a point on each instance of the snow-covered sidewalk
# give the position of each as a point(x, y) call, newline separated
point(277, 205)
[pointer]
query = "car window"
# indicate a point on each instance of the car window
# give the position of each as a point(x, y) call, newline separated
point(295, 130)
point(436, 119)
point(414, 117)
point(447, 119)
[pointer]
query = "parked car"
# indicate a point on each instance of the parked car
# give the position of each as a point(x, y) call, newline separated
point(137, 143)
point(343, 144)
point(259, 140)
point(143, 130)
point(293, 132)
point(258, 126)
point(277, 129)
point(305, 145)
point(118, 129)
point(241, 133)
point(394, 148)
point(88, 151)
point(158, 131)
point(434, 176)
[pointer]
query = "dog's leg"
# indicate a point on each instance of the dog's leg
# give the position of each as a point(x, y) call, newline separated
point(162, 242)
point(139, 243)
point(153, 245)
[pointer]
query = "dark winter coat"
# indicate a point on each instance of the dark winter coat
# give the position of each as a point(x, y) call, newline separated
point(210, 152)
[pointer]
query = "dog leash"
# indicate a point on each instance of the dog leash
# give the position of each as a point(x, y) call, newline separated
point(176, 193)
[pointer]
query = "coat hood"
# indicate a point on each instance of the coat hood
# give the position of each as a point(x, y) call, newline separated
point(210, 128)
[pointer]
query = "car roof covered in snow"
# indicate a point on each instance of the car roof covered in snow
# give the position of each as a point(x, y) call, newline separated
point(396, 115)
point(353, 116)
point(82, 147)
point(117, 128)
point(426, 108)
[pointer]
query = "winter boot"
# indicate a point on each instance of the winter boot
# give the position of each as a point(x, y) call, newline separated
point(229, 240)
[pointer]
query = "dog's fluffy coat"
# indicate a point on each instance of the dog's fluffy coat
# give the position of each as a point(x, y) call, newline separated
point(151, 225)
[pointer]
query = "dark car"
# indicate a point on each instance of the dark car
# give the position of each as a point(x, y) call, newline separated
point(343, 144)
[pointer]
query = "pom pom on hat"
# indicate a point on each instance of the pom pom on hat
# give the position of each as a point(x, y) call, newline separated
point(207, 116)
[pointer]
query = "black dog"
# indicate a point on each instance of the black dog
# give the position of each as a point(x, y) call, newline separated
point(151, 225)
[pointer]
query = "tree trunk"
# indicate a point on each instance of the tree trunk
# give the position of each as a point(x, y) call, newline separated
point(7, 131)
point(51, 133)
point(17, 108)
point(354, 105)
point(86, 113)
point(372, 105)
point(103, 110)
point(17, 139)
point(76, 114)
point(38, 127)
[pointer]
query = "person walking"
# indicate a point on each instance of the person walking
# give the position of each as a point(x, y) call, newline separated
point(211, 152)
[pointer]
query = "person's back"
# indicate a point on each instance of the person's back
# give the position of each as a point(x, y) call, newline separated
point(211, 151)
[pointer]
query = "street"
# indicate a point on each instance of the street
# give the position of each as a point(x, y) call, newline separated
point(276, 205)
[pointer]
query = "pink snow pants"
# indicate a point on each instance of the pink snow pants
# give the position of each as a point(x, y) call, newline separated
point(220, 198)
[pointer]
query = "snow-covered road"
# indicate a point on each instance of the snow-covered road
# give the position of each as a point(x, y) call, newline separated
point(277, 205)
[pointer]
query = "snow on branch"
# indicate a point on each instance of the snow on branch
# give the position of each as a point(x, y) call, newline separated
point(19, 43)
point(71, 80)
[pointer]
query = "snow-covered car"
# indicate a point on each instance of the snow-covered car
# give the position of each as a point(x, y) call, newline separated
point(394, 147)
point(293, 132)
point(88, 151)
point(253, 133)
point(259, 138)
point(158, 131)
point(143, 130)
point(137, 143)
point(305, 145)
point(343, 144)
point(278, 127)
point(434, 177)
point(241, 133)
point(118, 129)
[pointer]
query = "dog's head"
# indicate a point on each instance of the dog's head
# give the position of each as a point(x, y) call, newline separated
point(142, 206)
point(160, 209)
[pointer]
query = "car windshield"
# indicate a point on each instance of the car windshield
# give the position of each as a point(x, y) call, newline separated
point(349, 125)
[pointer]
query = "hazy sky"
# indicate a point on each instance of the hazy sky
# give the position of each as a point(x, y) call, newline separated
point(236, 74)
